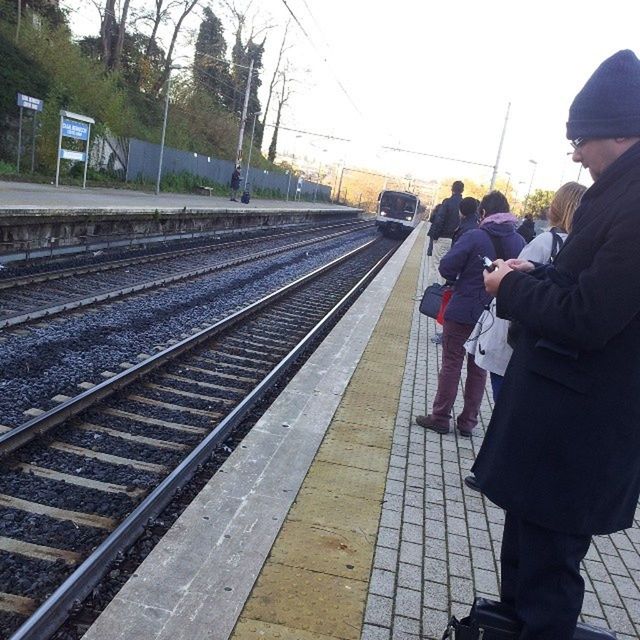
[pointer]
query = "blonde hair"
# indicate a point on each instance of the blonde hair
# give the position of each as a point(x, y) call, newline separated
point(564, 204)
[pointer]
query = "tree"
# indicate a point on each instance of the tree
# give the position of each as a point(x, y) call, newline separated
point(284, 96)
point(210, 69)
point(272, 84)
point(538, 202)
point(112, 32)
point(244, 50)
point(185, 8)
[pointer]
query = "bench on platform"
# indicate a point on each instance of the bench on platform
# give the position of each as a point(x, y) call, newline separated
point(203, 189)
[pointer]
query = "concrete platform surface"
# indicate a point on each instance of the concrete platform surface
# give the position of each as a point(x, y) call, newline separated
point(18, 196)
point(339, 518)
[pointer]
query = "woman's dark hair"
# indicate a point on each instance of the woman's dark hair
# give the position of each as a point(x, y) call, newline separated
point(468, 206)
point(494, 202)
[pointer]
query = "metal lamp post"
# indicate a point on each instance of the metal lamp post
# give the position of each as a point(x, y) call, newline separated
point(253, 130)
point(533, 173)
point(164, 129)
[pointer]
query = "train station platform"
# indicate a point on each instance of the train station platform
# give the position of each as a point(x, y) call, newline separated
point(42, 221)
point(340, 519)
point(27, 198)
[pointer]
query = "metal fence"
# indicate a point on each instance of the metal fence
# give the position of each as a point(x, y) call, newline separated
point(143, 158)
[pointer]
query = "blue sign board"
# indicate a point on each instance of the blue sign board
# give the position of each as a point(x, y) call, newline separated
point(75, 129)
point(30, 103)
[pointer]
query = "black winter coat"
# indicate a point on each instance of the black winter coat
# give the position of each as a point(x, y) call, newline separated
point(527, 230)
point(563, 446)
point(447, 219)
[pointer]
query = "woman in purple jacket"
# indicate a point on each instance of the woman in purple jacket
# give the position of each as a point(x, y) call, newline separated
point(496, 237)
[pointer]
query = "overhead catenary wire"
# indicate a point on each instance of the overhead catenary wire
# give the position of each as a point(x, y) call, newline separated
point(324, 59)
point(439, 157)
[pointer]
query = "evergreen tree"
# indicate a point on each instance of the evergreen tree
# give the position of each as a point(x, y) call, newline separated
point(210, 69)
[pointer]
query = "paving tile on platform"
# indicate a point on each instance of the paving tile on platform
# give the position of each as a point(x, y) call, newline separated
point(352, 454)
point(327, 508)
point(363, 483)
point(247, 629)
point(366, 416)
point(337, 552)
point(310, 601)
point(361, 434)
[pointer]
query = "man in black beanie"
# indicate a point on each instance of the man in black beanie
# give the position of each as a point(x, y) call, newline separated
point(562, 451)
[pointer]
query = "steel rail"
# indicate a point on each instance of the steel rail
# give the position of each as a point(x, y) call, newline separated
point(36, 278)
point(52, 613)
point(114, 294)
point(19, 436)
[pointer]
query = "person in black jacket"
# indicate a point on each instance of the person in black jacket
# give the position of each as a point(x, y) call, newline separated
point(468, 218)
point(527, 229)
point(235, 184)
point(562, 451)
point(442, 229)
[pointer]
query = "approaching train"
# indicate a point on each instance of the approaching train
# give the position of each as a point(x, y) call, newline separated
point(398, 213)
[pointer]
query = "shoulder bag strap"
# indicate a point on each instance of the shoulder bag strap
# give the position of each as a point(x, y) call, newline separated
point(497, 244)
point(556, 243)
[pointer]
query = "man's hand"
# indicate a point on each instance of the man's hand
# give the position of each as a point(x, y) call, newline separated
point(493, 279)
point(520, 265)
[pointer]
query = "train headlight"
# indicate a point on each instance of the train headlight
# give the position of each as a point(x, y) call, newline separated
point(409, 218)
point(382, 213)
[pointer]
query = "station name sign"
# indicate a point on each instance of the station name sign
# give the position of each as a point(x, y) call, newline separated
point(27, 102)
point(74, 129)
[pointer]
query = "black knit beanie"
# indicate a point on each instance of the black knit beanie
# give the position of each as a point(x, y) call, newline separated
point(609, 104)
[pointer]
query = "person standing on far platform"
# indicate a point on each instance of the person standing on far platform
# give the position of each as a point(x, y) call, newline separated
point(442, 229)
point(235, 184)
point(562, 451)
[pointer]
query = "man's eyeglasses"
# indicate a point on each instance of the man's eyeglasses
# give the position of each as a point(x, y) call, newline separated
point(577, 142)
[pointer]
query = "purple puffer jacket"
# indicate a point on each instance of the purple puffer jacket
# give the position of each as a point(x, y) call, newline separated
point(463, 266)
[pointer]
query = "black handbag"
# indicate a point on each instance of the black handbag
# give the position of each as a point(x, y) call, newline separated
point(490, 620)
point(432, 300)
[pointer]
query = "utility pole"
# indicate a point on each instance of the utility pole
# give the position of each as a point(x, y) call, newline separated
point(164, 131)
point(340, 184)
point(253, 130)
point(19, 20)
point(495, 166)
point(244, 114)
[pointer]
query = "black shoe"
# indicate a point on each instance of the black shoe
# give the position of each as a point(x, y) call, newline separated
point(471, 482)
point(427, 423)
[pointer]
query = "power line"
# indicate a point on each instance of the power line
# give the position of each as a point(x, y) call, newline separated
point(324, 59)
point(310, 133)
point(433, 155)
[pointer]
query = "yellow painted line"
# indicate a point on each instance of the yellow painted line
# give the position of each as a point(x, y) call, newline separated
point(314, 584)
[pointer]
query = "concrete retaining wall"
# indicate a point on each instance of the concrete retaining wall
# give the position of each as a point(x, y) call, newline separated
point(25, 235)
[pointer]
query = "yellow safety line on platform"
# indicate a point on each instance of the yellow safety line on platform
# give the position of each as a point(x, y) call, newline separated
point(314, 583)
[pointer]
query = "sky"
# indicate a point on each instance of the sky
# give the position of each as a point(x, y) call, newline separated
point(435, 78)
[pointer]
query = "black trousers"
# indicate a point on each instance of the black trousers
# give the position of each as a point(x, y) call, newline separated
point(541, 578)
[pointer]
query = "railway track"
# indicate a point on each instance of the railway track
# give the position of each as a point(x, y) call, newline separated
point(80, 482)
point(46, 294)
